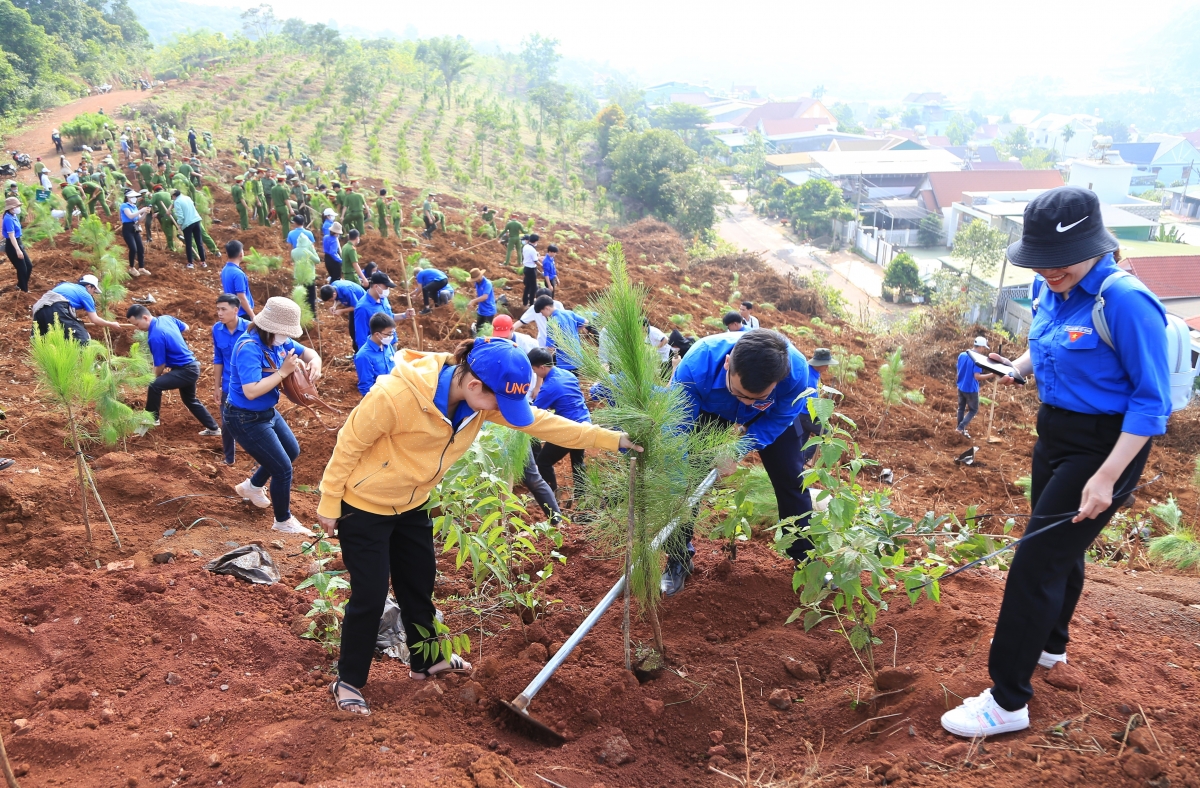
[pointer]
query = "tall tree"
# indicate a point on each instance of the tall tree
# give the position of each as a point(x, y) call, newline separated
point(814, 205)
point(540, 56)
point(980, 246)
point(260, 21)
point(607, 119)
point(681, 118)
point(959, 129)
point(642, 166)
point(847, 124)
point(449, 56)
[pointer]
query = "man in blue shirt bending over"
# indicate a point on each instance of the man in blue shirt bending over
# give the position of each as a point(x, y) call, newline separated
point(376, 357)
point(753, 379)
point(175, 366)
point(347, 295)
point(225, 333)
point(969, 375)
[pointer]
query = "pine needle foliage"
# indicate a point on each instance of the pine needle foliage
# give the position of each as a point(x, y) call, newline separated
point(304, 272)
point(256, 262)
point(1178, 547)
point(677, 455)
point(891, 376)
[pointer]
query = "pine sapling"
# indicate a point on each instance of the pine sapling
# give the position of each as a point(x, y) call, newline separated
point(891, 375)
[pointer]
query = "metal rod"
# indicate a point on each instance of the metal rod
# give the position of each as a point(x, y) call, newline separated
point(522, 701)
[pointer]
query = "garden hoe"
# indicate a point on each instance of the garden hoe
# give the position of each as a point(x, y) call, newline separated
point(520, 705)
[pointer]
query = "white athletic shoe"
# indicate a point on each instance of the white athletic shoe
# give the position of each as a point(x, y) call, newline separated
point(292, 526)
point(981, 716)
point(1048, 660)
point(255, 495)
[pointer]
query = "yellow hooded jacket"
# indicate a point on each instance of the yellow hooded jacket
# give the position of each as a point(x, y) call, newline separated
point(396, 445)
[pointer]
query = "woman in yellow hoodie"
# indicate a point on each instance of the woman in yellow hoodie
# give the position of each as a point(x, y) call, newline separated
point(394, 448)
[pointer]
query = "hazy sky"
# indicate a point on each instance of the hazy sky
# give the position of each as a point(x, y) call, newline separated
point(869, 48)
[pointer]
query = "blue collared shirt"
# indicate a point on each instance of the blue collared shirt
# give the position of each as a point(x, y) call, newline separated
point(701, 375)
point(332, 247)
point(549, 270)
point(966, 374)
point(348, 293)
point(570, 323)
point(294, 236)
point(441, 398)
point(428, 276)
point(234, 281)
point(12, 225)
point(1075, 370)
point(560, 393)
point(371, 361)
point(77, 296)
point(488, 305)
point(247, 367)
point(367, 306)
point(325, 225)
point(223, 341)
point(167, 347)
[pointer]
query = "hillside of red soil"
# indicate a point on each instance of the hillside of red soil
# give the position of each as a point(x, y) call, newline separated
point(166, 675)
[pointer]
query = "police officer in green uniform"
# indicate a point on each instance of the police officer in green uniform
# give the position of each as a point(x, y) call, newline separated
point(74, 203)
point(95, 195)
point(262, 189)
point(514, 229)
point(160, 202)
point(396, 214)
point(279, 199)
point(381, 217)
point(489, 216)
point(145, 173)
point(238, 193)
point(355, 206)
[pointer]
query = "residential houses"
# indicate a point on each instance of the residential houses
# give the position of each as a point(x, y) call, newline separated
point(934, 108)
point(1160, 160)
point(1052, 131)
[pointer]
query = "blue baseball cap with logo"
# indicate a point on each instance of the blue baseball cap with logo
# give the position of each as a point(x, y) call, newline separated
point(506, 371)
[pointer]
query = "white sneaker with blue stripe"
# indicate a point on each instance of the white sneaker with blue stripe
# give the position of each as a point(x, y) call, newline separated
point(981, 716)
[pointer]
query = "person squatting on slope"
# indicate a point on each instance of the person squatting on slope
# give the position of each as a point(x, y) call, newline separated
point(394, 448)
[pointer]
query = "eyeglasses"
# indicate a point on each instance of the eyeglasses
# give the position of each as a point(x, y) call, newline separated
point(745, 398)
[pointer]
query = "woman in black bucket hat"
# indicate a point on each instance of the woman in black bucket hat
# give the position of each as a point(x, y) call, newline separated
point(1101, 406)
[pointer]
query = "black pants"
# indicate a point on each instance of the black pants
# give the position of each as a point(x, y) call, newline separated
point(430, 291)
point(71, 325)
point(527, 297)
point(783, 461)
point(333, 268)
point(184, 380)
point(549, 455)
point(353, 337)
point(968, 406)
point(20, 261)
point(378, 548)
point(133, 240)
point(430, 226)
point(480, 320)
point(1046, 577)
point(191, 234)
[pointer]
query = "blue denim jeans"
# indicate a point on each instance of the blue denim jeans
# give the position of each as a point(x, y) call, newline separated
point(267, 438)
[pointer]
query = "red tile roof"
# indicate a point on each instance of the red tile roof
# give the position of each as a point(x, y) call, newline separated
point(771, 128)
point(1193, 323)
point(948, 187)
point(778, 110)
point(1168, 276)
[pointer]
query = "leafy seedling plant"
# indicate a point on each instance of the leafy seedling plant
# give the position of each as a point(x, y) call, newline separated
point(329, 608)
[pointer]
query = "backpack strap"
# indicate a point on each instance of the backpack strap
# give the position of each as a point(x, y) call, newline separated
point(1098, 320)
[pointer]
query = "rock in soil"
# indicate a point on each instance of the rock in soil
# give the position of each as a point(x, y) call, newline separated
point(1142, 767)
point(804, 671)
point(616, 751)
point(470, 692)
point(535, 652)
point(716, 736)
point(431, 691)
point(1144, 740)
point(654, 707)
point(717, 750)
point(781, 699)
point(1066, 677)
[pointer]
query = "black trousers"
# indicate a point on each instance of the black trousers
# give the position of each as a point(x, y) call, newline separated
point(133, 240)
point(1046, 577)
point(191, 234)
point(333, 268)
point(527, 297)
point(184, 380)
point(783, 460)
point(70, 325)
point(549, 455)
point(430, 291)
point(378, 549)
point(353, 338)
point(20, 261)
point(480, 320)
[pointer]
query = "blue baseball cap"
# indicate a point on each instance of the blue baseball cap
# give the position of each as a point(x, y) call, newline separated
point(507, 372)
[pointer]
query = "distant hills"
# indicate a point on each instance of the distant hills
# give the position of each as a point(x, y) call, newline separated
point(164, 18)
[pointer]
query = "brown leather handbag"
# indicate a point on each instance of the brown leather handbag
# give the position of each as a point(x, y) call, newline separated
point(297, 387)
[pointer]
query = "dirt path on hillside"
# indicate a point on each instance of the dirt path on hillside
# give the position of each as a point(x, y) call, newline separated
point(34, 137)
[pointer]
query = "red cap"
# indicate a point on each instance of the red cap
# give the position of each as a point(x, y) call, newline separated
point(502, 326)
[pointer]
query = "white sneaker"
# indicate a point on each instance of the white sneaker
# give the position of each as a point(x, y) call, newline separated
point(1048, 660)
point(981, 716)
point(255, 495)
point(207, 433)
point(292, 526)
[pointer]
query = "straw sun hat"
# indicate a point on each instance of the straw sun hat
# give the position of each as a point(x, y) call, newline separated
point(280, 316)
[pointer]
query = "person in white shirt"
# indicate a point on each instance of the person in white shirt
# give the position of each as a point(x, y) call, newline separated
point(749, 321)
point(530, 316)
point(529, 260)
point(658, 340)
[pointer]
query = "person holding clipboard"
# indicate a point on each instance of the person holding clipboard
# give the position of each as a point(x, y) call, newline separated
point(1101, 407)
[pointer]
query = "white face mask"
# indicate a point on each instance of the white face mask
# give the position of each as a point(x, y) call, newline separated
point(383, 296)
point(17, 211)
point(279, 339)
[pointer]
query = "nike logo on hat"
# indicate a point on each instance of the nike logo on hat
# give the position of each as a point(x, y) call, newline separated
point(1062, 229)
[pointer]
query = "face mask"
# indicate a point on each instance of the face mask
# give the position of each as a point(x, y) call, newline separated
point(279, 340)
point(384, 294)
point(16, 211)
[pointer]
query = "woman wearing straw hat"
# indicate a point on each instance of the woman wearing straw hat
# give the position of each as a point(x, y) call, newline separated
point(262, 358)
point(1102, 403)
point(394, 448)
point(18, 255)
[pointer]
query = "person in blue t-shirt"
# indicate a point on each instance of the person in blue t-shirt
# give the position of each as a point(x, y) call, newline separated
point(175, 366)
point(225, 332)
point(332, 246)
point(65, 302)
point(1102, 405)
point(328, 217)
point(969, 375)
point(567, 321)
point(234, 280)
point(376, 300)
point(558, 391)
point(347, 295)
point(376, 357)
point(14, 247)
point(298, 229)
point(550, 269)
point(131, 231)
point(261, 359)
point(733, 321)
point(430, 281)
point(753, 379)
point(484, 302)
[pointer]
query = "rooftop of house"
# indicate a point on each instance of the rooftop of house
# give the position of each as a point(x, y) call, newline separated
point(776, 110)
point(948, 187)
point(789, 160)
point(886, 162)
point(1167, 277)
point(1137, 152)
point(695, 99)
point(784, 126)
point(1156, 249)
point(928, 99)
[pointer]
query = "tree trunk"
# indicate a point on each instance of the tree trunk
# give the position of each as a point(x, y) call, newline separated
point(629, 559)
point(87, 525)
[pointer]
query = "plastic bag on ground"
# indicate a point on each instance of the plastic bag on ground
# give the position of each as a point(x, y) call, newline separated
point(249, 562)
point(391, 638)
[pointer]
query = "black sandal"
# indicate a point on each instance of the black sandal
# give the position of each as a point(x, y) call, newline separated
point(352, 703)
point(456, 665)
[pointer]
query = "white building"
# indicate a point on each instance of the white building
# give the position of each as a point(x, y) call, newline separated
point(1050, 131)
